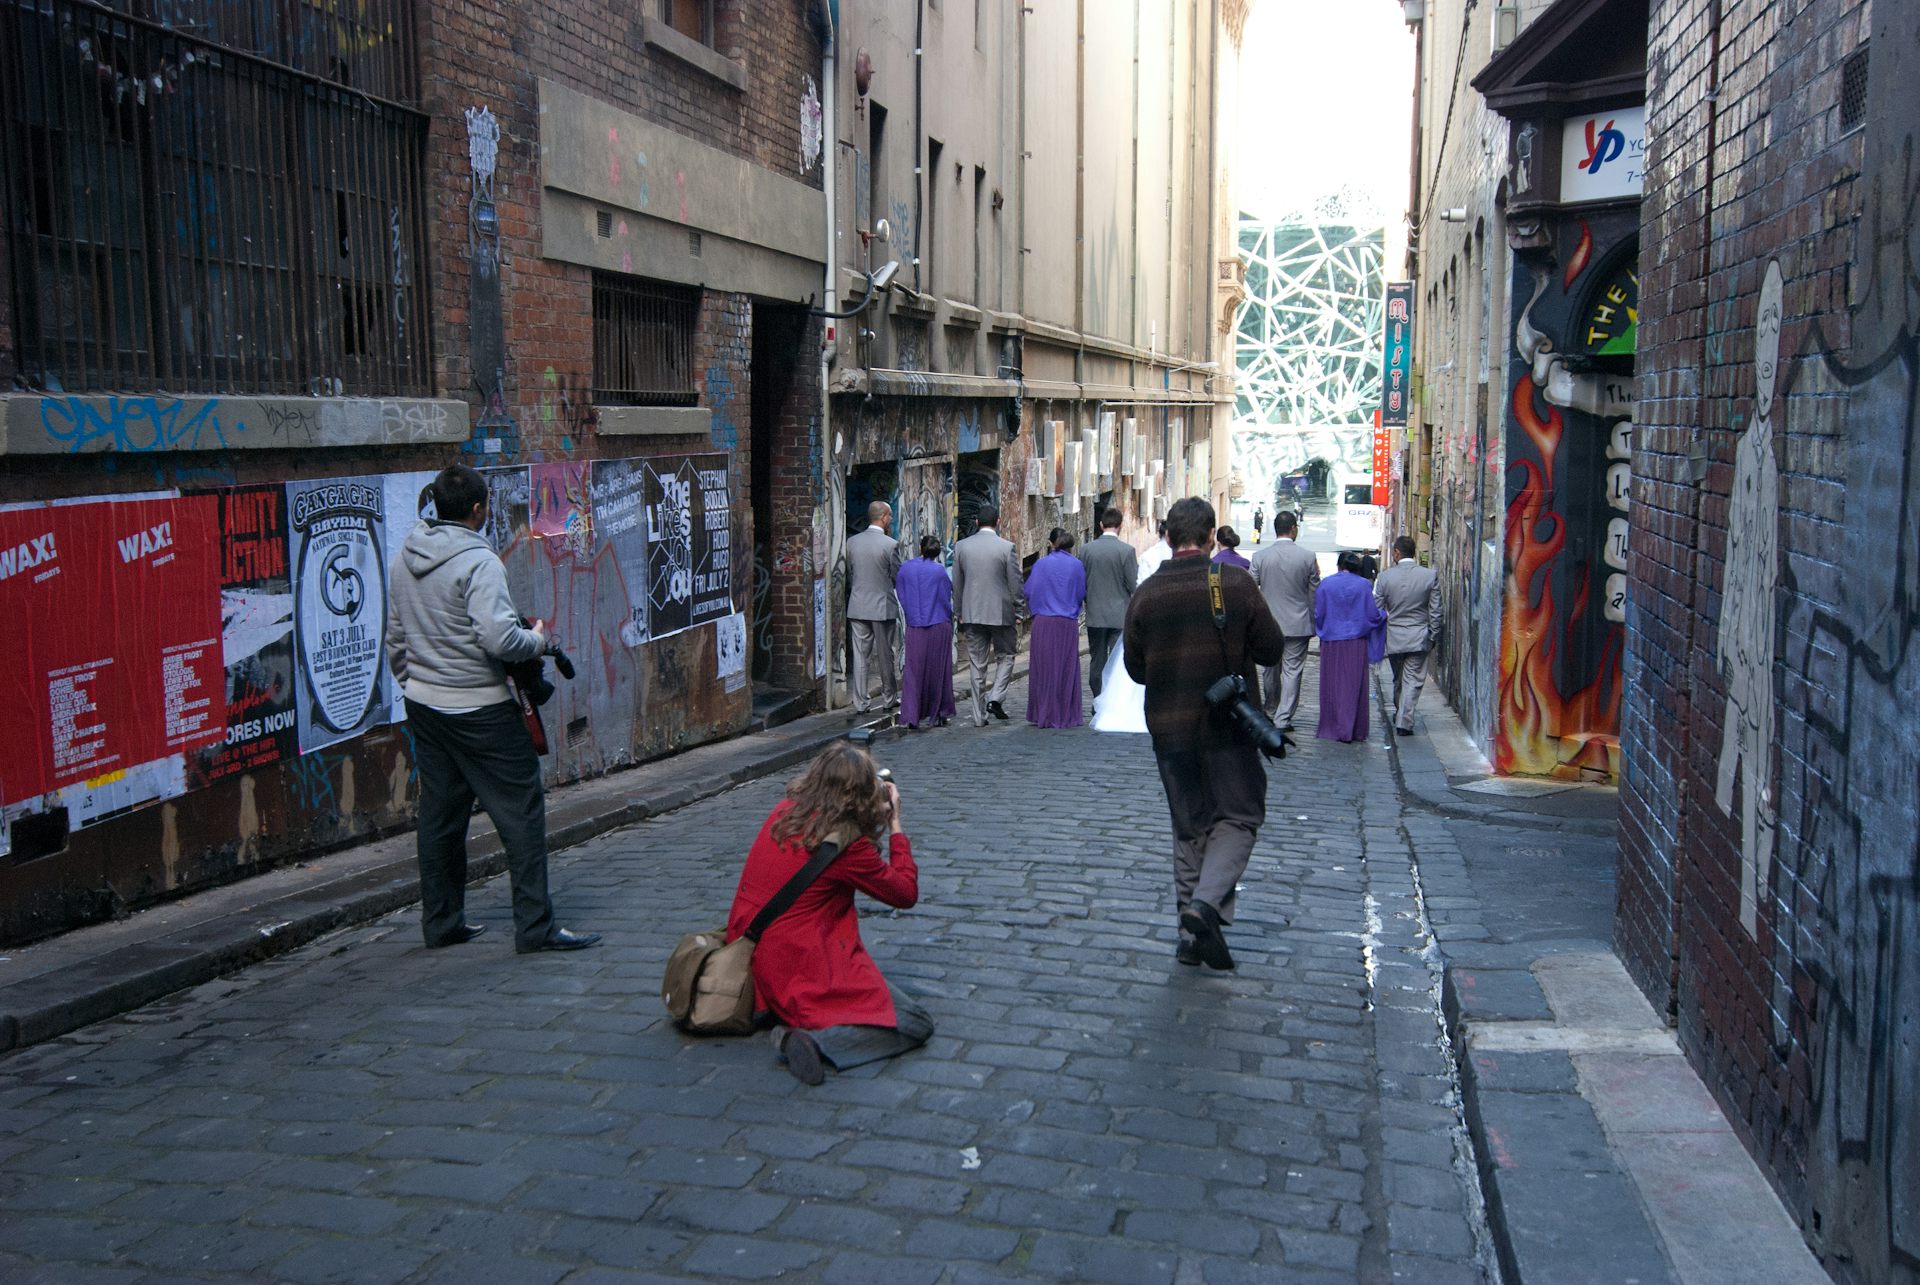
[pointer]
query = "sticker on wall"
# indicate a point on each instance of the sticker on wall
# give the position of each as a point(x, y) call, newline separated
point(338, 550)
point(819, 628)
point(730, 650)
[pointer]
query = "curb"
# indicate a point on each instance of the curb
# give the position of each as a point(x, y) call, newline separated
point(37, 1009)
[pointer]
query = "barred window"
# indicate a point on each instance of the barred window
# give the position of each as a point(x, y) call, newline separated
point(214, 197)
point(643, 342)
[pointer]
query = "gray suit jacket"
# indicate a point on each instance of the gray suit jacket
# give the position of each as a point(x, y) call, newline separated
point(986, 580)
point(872, 559)
point(1287, 575)
point(1410, 595)
point(1113, 572)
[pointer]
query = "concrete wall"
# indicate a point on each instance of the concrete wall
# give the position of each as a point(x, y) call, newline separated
point(1770, 870)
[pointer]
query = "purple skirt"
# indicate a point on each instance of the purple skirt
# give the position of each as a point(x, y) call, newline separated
point(1053, 672)
point(926, 688)
point(1343, 690)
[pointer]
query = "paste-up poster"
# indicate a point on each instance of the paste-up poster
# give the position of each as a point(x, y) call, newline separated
point(689, 541)
point(819, 628)
point(338, 549)
point(730, 650)
point(256, 634)
point(559, 508)
point(509, 501)
point(409, 498)
point(618, 491)
point(114, 658)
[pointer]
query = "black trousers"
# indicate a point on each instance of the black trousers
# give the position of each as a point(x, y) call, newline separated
point(1217, 799)
point(1100, 646)
point(486, 755)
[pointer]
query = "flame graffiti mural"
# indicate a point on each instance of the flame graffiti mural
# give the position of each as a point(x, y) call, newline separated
point(1557, 710)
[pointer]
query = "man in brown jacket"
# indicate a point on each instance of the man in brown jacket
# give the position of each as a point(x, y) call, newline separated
point(1216, 786)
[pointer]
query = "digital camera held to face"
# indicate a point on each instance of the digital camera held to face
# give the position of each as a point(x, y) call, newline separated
point(1229, 695)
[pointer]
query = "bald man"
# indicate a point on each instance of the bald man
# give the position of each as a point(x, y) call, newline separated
point(873, 609)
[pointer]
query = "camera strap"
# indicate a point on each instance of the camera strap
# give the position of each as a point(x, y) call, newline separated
point(1218, 601)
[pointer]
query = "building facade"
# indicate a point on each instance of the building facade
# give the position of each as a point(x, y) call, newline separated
point(1770, 799)
point(1525, 269)
point(1043, 187)
point(263, 273)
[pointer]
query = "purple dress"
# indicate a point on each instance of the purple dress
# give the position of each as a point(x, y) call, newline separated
point(1056, 589)
point(1350, 624)
point(926, 600)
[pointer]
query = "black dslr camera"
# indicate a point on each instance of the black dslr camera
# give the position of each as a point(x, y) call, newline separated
point(1229, 695)
point(530, 675)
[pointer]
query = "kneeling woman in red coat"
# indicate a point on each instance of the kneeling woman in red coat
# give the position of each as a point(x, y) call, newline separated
point(810, 968)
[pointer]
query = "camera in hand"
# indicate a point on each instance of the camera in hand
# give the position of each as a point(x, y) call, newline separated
point(1229, 695)
point(530, 675)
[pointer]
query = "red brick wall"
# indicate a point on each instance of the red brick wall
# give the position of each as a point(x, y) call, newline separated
point(1794, 1019)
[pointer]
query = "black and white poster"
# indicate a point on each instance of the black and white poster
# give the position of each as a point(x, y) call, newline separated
point(689, 529)
point(337, 544)
point(618, 492)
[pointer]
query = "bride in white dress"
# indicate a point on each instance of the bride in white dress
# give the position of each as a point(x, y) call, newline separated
point(1121, 705)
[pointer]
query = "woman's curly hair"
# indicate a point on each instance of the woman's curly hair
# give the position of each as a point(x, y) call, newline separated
point(839, 788)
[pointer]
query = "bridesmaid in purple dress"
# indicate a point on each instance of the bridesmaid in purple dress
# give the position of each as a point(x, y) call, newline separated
point(1056, 590)
point(1352, 629)
point(926, 600)
point(1229, 554)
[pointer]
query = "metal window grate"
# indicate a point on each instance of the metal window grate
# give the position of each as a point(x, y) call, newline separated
point(186, 213)
point(643, 342)
point(1853, 90)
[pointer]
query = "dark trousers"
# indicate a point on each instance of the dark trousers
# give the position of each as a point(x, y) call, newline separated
point(1100, 646)
point(1217, 799)
point(486, 755)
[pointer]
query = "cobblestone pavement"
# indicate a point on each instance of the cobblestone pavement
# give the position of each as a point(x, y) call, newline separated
point(365, 1110)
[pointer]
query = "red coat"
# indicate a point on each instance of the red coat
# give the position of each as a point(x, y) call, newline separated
point(811, 969)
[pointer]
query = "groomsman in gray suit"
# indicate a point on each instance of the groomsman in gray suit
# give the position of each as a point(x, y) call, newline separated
point(986, 600)
point(1113, 572)
point(1287, 575)
point(873, 606)
point(1410, 595)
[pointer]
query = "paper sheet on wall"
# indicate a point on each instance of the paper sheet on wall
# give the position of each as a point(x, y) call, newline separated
point(730, 650)
point(338, 550)
point(819, 628)
point(409, 499)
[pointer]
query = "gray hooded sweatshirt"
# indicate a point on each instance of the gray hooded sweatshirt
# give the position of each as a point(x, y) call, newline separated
point(452, 622)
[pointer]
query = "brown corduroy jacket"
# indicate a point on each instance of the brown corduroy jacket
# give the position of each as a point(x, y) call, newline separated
point(1173, 650)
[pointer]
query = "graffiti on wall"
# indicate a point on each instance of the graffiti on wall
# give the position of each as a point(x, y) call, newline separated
point(1746, 646)
point(494, 432)
point(1557, 679)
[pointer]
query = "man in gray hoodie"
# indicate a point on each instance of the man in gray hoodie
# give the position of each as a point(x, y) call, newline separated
point(451, 628)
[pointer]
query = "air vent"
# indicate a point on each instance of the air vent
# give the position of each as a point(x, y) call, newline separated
point(693, 244)
point(603, 224)
point(1853, 91)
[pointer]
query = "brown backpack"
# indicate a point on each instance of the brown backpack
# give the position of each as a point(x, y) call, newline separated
point(708, 986)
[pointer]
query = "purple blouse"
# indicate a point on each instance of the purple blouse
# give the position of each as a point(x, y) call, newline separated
point(1057, 585)
point(1231, 557)
point(1343, 608)
point(926, 592)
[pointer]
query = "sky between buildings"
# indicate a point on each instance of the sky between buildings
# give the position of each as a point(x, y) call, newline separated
point(1326, 94)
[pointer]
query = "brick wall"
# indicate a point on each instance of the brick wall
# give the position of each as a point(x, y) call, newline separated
point(1783, 940)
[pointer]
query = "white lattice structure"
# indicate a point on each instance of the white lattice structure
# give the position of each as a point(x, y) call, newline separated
point(1309, 330)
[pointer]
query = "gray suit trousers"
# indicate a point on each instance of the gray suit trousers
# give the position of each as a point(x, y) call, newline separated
point(1282, 681)
point(984, 643)
point(1217, 800)
point(1409, 676)
point(873, 650)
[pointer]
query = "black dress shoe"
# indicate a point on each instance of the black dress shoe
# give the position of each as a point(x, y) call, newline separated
point(1188, 954)
point(998, 710)
point(459, 936)
point(1203, 921)
point(565, 939)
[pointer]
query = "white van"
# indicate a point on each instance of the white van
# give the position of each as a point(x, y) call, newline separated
point(1358, 522)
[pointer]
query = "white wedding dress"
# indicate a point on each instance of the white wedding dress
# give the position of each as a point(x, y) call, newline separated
point(1121, 705)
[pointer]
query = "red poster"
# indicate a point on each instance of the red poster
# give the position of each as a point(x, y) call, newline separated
point(120, 662)
point(1382, 462)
